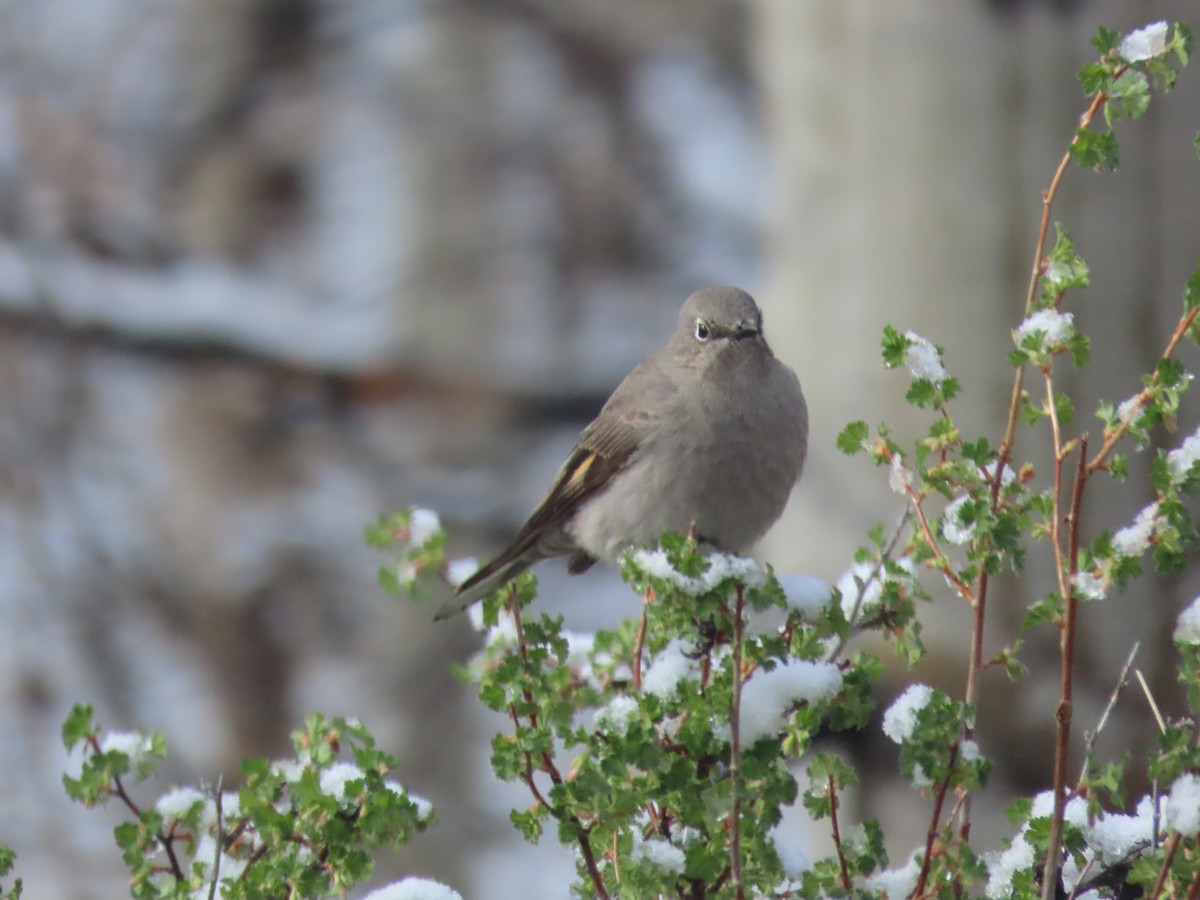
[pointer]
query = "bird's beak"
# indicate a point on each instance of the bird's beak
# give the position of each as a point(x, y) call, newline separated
point(745, 328)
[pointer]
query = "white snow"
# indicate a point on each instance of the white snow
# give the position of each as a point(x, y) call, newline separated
point(423, 524)
point(806, 595)
point(767, 696)
point(901, 717)
point(899, 478)
point(335, 778)
point(1187, 626)
point(794, 860)
point(1088, 586)
point(459, 570)
point(667, 671)
point(414, 889)
point(658, 852)
point(131, 743)
point(896, 884)
point(1182, 458)
point(923, 359)
point(177, 802)
point(721, 567)
point(1055, 327)
point(1128, 410)
point(617, 715)
point(1183, 806)
point(1133, 540)
point(954, 528)
point(1145, 43)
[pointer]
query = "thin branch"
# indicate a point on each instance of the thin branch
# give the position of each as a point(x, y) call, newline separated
point(837, 833)
point(216, 875)
point(735, 749)
point(640, 642)
point(942, 563)
point(1005, 450)
point(1162, 725)
point(1165, 870)
point(1112, 437)
point(167, 843)
point(934, 821)
point(1089, 742)
point(888, 549)
point(1065, 571)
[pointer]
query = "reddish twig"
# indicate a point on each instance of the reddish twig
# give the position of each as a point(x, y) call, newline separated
point(640, 642)
point(837, 833)
point(1112, 437)
point(118, 790)
point(1165, 870)
point(943, 564)
point(735, 749)
point(1065, 569)
point(934, 822)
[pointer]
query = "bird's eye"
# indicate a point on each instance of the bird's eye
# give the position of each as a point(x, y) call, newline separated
point(701, 330)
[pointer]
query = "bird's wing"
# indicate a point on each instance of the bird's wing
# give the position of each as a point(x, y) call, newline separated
point(606, 446)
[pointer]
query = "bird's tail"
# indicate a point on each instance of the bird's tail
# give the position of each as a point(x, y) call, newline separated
point(494, 575)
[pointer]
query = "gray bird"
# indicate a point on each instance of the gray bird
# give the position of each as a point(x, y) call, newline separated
point(707, 433)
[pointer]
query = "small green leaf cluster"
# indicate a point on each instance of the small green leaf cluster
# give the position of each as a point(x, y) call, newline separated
point(986, 513)
point(626, 739)
point(933, 753)
point(1045, 333)
point(418, 541)
point(7, 860)
point(299, 827)
point(1120, 83)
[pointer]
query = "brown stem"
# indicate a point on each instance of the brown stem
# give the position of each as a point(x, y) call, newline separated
point(1112, 437)
point(548, 766)
point(1090, 738)
point(735, 750)
point(931, 835)
point(640, 642)
point(837, 833)
point(167, 843)
point(1165, 870)
point(1065, 569)
point(1005, 450)
point(942, 563)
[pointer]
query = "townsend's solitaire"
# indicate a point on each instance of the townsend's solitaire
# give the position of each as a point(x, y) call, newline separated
point(707, 434)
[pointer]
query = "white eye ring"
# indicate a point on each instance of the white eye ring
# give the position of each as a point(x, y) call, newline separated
point(701, 330)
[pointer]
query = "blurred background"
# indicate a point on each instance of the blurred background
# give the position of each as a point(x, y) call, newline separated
point(269, 268)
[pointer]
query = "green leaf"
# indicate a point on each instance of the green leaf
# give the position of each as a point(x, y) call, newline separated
point(1063, 408)
point(853, 437)
point(895, 345)
point(1130, 94)
point(1095, 150)
point(1106, 40)
point(78, 725)
point(923, 394)
point(1191, 293)
point(1094, 78)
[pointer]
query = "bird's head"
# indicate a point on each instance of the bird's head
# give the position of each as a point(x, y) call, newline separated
point(718, 324)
